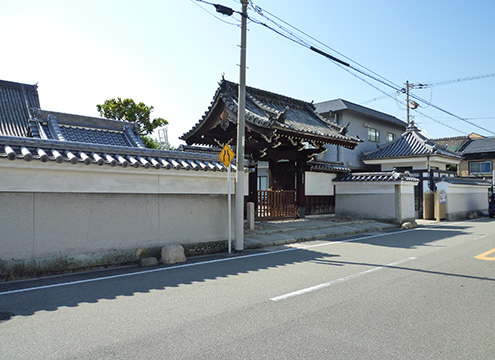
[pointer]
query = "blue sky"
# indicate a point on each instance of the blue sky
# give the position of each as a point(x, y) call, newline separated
point(172, 54)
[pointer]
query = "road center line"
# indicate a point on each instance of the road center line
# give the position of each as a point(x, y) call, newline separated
point(338, 281)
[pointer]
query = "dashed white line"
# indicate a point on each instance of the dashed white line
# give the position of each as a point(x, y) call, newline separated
point(337, 281)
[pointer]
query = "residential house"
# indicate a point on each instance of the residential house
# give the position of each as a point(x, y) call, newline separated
point(419, 156)
point(373, 127)
point(478, 154)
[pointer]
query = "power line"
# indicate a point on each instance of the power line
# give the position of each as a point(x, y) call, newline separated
point(345, 65)
point(262, 12)
point(375, 76)
point(441, 123)
point(195, 2)
point(449, 113)
point(478, 77)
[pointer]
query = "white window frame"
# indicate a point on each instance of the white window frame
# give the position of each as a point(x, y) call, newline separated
point(478, 167)
point(374, 135)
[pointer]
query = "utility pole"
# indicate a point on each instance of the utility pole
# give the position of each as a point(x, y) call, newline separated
point(411, 104)
point(407, 103)
point(241, 129)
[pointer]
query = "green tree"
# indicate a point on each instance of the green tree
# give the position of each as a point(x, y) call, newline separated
point(128, 110)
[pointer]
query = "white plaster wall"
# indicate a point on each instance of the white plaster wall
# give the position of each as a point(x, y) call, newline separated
point(80, 178)
point(415, 163)
point(375, 201)
point(389, 166)
point(16, 225)
point(56, 211)
point(463, 199)
point(41, 225)
point(364, 188)
point(365, 206)
point(364, 200)
point(407, 201)
point(319, 183)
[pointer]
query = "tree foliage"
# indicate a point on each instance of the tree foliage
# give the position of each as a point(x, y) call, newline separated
point(128, 110)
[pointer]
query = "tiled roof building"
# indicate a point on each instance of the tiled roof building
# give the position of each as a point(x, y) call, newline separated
point(458, 143)
point(29, 133)
point(18, 102)
point(272, 116)
point(412, 143)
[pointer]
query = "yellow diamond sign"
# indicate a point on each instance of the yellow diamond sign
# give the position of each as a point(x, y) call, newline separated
point(226, 155)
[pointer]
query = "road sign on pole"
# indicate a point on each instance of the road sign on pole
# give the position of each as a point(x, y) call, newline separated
point(226, 156)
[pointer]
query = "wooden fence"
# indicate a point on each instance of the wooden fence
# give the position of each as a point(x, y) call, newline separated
point(277, 204)
point(322, 204)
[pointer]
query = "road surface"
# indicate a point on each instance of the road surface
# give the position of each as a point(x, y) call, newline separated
point(425, 293)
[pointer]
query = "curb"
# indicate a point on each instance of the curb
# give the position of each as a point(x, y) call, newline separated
point(258, 244)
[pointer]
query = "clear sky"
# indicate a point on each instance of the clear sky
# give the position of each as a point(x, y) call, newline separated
point(172, 53)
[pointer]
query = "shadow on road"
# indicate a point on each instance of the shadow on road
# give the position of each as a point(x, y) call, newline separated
point(26, 298)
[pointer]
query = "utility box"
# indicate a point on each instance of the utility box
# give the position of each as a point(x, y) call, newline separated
point(428, 205)
point(440, 205)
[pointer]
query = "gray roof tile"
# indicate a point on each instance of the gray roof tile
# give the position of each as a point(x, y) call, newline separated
point(17, 103)
point(94, 136)
point(410, 144)
point(375, 177)
point(47, 151)
point(486, 145)
point(274, 111)
point(324, 166)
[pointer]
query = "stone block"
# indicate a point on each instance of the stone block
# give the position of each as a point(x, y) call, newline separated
point(250, 215)
point(172, 254)
point(472, 215)
point(148, 261)
point(409, 225)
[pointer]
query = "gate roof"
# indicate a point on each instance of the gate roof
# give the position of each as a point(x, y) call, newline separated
point(272, 121)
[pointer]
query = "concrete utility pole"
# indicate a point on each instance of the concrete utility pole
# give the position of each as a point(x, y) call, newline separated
point(241, 129)
point(407, 102)
point(411, 104)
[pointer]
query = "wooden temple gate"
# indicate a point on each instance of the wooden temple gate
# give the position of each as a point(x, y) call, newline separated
point(283, 131)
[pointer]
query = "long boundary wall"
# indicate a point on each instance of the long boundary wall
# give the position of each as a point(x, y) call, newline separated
point(55, 216)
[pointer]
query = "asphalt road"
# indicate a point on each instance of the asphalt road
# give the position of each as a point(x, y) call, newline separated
point(418, 294)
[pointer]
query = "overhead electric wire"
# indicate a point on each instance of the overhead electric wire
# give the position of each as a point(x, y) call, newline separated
point(440, 83)
point(377, 77)
point(212, 14)
point(344, 65)
point(441, 123)
point(261, 12)
point(449, 113)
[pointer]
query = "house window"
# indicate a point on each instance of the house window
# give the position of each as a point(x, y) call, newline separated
point(373, 135)
point(390, 137)
point(480, 167)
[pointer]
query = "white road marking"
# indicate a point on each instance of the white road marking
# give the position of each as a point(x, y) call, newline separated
point(199, 263)
point(338, 281)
